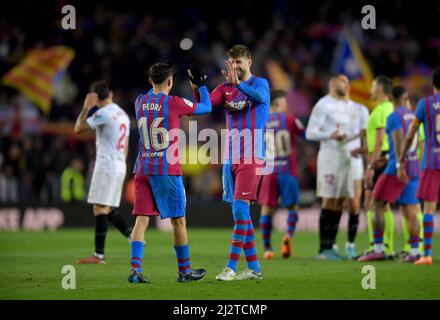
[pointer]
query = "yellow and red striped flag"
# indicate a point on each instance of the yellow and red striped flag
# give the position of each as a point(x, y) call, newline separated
point(35, 76)
point(350, 61)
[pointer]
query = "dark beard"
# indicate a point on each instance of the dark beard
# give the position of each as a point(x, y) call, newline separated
point(340, 93)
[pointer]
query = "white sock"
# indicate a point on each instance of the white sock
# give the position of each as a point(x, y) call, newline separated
point(414, 252)
point(378, 248)
point(349, 245)
point(99, 255)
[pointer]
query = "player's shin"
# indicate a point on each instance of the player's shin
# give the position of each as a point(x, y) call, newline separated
point(119, 222)
point(181, 246)
point(266, 230)
point(389, 232)
point(421, 232)
point(428, 230)
point(250, 252)
point(370, 229)
point(292, 220)
point(406, 235)
point(137, 243)
point(324, 230)
point(100, 234)
point(353, 223)
point(241, 213)
point(378, 232)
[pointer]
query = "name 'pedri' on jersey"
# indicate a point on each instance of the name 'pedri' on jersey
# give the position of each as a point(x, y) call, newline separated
point(282, 152)
point(402, 118)
point(246, 110)
point(428, 112)
point(157, 115)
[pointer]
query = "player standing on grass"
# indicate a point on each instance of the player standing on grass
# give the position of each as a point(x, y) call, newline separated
point(428, 113)
point(399, 181)
point(354, 148)
point(283, 181)
point(246, 99)
point(329, 124)
point(112, 127)
point(378, 146)
point(158, 173)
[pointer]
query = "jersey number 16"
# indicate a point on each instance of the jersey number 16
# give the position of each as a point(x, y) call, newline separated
point(154, 137)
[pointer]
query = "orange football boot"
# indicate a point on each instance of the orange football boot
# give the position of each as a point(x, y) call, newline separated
point(268, 255)
point(91, 260)
point(427, 261)
point(286, 249)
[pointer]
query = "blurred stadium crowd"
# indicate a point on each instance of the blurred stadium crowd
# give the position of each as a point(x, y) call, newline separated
point(293, 46)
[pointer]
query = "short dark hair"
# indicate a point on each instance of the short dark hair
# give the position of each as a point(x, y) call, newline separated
point(397, 93)
point(386, 84)
point(161, 71)
point(436, 77)
point(102, 89)
point(239, 50)
point(336, 75)
point(275, 94)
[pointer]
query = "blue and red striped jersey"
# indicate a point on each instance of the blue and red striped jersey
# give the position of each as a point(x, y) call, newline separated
point(281, 150)
point(402, 118)
point(157, 115)
point(246, 111)
point(428, 112)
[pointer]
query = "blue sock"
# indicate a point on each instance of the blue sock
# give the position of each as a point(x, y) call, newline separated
point(292, 219)
point(137, 252)
point(428, 230)
point(182, 254)
point(240, 211)
point(250, 251)
point(266, 231)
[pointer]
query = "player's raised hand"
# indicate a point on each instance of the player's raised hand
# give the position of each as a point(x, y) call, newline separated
point(196, 75)
point(91, 100)
point(230, 74)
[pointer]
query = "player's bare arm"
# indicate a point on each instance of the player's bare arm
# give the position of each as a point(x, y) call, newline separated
point(413, 129)
point(380, 134)
point(81, 125)
point(398, 138)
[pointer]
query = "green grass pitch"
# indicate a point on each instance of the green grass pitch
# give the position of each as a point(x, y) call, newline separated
point(31, 263)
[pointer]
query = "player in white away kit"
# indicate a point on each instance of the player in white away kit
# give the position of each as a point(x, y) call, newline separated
point(359, 118)
point(112, 127)
point(331, 124)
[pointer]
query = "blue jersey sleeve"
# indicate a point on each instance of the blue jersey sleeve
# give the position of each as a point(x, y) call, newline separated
point(393, 123)
point(258, 92)
point(421, 111)
point(204, 106)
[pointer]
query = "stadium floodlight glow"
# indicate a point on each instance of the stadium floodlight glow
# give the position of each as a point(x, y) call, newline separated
point(186, 44)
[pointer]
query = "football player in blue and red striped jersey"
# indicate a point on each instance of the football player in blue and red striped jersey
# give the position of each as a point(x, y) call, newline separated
point(282, 182)
point(158, 175)
point(400, 180)
point(246, 100)
point(428, 113)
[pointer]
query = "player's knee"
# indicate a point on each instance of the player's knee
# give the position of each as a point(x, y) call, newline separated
point(266, 210)
point(178, 222)
point(99, 210)
point(240, 210)
point(142, 222)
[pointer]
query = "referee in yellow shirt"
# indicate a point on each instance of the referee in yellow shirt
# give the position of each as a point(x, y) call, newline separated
point(378, 146)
